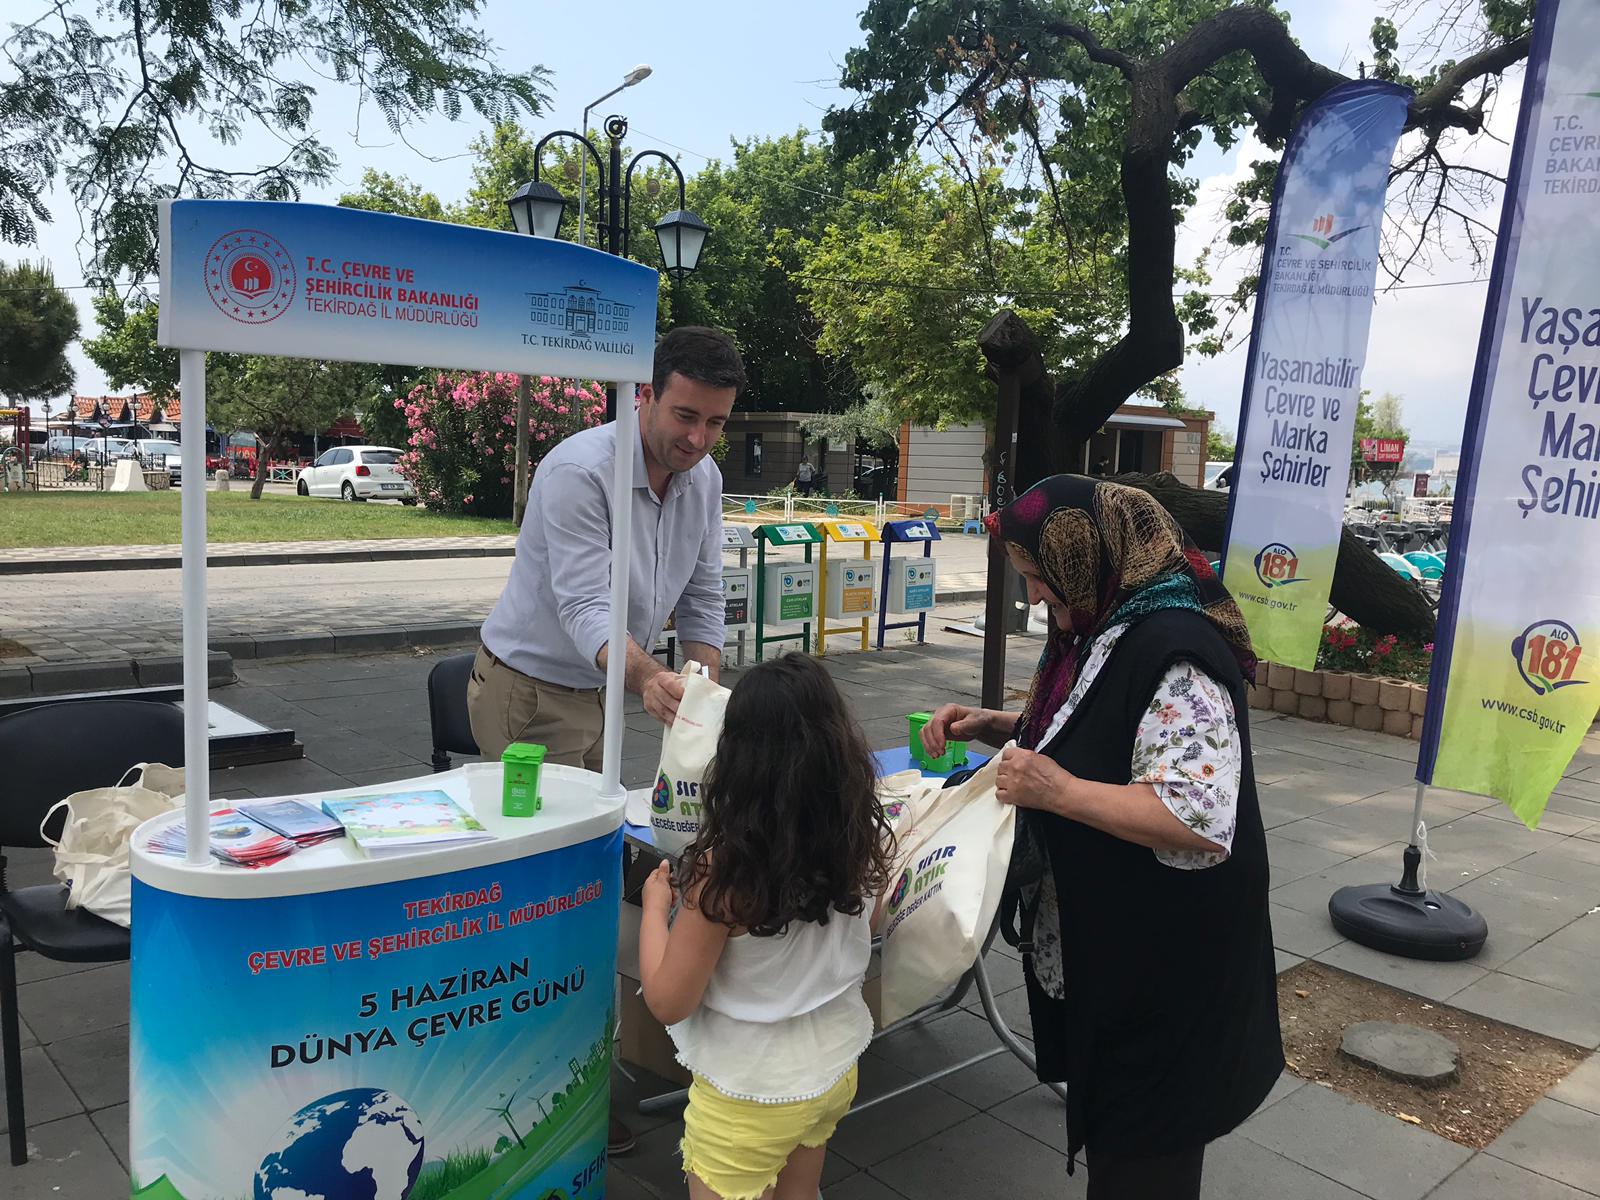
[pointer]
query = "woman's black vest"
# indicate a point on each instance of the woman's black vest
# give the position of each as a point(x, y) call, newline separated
point(1168, 1036)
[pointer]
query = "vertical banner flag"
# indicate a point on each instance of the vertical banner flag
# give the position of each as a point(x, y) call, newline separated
point(1514, 685)
point(1307, 350)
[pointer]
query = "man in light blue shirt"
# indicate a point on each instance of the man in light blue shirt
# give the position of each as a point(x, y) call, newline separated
point(538, 675)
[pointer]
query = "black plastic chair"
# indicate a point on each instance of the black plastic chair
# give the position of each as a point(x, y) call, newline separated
point(447, 710)
point(51, 752)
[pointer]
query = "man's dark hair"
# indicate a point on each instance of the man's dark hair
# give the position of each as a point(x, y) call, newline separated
point(700, 353)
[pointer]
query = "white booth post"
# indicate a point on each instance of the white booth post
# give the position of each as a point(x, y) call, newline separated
point(621, 554)
point(196, 656)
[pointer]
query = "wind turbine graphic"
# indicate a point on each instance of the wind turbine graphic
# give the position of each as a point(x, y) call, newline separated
point(505, 1115)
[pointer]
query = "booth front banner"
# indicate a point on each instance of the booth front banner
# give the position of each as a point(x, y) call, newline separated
point(1308, 347)
point(314, 281)
point(1515, 673)
point(439, 1038)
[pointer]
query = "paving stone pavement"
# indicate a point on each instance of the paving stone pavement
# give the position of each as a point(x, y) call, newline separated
point(990, 1129)
point(109, 620)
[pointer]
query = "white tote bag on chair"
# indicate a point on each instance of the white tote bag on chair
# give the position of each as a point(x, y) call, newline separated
point(950, 868)
point(92, 853)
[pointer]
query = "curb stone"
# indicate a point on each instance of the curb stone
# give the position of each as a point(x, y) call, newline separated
point(173, 562)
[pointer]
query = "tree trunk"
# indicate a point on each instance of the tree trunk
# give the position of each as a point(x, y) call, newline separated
point(261, 463)
point(1364, 588)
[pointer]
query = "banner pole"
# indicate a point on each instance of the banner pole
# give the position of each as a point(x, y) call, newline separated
point(1412, 859)
point(627, 427)
point(192, 505)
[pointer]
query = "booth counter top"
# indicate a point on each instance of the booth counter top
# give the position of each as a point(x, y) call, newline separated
point(573, 813)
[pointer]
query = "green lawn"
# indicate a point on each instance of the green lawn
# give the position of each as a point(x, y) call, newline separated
point(152, 519)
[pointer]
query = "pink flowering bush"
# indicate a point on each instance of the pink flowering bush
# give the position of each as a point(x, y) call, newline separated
point(462, 435)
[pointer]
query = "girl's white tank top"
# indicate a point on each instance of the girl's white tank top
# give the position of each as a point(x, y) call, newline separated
point(782, 1018)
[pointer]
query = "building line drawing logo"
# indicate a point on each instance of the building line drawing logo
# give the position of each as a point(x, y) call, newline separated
point(579, 311)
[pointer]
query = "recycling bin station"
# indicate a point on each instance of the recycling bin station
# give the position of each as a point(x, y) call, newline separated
point(786, 591)
point(738, 586)
point(847, 584)
point(909, 586)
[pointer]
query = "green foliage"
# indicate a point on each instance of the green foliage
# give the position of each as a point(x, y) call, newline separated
point(126, 349)
point(132, 103)
point(774, 197)
point(872, 421)
point(902, 291)
point(1218, 446)
point(443, 1176)
point(386, 193)
point(38, 321)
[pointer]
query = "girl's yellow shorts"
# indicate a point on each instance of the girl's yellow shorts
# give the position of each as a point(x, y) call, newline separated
point(737, 1147)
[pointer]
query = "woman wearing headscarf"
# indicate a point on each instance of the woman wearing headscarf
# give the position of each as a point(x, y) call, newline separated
point(1141, 856)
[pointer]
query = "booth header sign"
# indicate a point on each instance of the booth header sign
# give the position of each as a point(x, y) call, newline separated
point(314, 281)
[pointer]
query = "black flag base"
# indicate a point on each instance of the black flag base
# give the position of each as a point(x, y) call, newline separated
point(1402, 918)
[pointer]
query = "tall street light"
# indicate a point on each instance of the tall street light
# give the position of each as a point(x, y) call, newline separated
point(537, 208)
point(637, 75)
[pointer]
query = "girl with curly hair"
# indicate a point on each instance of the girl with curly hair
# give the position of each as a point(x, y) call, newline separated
point(758, 975)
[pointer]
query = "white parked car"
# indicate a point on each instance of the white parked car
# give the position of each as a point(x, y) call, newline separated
point(159, 454)
point(357, 473)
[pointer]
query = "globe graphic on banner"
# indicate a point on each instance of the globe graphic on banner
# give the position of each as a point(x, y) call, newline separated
point(358, 1144)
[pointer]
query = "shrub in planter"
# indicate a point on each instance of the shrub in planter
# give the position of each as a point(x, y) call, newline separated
point(1357, 651)
point(462, 442)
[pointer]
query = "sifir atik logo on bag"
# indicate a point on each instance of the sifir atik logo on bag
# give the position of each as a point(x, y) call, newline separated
point(661, 798)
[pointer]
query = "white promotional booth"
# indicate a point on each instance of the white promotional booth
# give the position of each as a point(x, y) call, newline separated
point(444, 1015)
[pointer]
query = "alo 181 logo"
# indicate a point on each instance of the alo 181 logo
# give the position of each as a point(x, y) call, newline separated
point(1547, 654)
point(661, 798)
point(1278, 565)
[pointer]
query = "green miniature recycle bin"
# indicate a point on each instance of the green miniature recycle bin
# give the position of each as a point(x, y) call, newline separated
point(955, 753)
point(520, 765)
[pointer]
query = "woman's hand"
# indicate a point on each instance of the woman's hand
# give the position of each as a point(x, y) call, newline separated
point(1030, 780)
point(657, 897)
point(957, 721)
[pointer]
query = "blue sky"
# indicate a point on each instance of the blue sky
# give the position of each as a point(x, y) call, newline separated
point(732, 69)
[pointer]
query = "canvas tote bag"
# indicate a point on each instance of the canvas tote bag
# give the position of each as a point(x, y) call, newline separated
point(686, 752)
point(92, 852)
point(950, 868)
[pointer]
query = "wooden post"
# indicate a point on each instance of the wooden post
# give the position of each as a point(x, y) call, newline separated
point(1001, 493)
point(519, 502)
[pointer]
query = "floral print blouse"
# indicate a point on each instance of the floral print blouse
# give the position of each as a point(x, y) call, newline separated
point(1187, 748)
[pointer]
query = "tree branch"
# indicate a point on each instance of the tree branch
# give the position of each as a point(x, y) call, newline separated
point(1092, 46)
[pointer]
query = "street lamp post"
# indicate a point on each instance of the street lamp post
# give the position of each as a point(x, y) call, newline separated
point(537, 208)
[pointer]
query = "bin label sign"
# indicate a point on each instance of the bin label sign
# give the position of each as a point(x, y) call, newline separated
point(797, 596)
point(856, 594)
point(447, 1036)
point(852, 531)
point(736, 600)
point(792, 533)
point(916, 533)
point(919, 585)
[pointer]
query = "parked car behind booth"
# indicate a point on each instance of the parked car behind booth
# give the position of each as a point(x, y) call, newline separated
point(357, 473)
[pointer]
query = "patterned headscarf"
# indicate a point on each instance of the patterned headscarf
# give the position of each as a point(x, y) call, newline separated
point(1111, 554)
